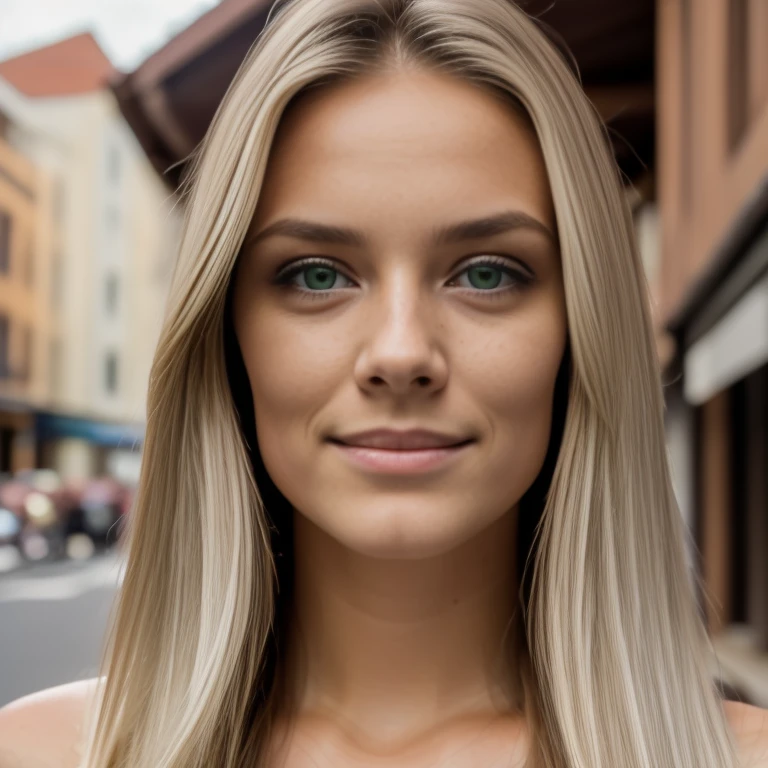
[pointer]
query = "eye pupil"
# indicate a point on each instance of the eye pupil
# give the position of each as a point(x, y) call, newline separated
point(323, 277)
point(487, 276)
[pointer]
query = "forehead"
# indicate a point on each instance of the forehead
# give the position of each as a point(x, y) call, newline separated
point(414, 140)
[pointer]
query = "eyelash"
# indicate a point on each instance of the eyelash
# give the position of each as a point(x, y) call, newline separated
point(286, 274)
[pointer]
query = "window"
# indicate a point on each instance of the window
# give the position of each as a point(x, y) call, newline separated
point(25, 369)
point(112, 217)
point(5, 370)
point(59, 200)
point(29, 263)
point(57, 281)
point(5, 124)
point(739, 427)
point(749, 496)
point(113, 164)
point(110, 372)
point(55, 362)
point(111, 291)
point(6, 448)
point(5, 243)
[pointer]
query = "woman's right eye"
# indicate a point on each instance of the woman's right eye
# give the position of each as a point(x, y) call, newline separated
point(318, 275)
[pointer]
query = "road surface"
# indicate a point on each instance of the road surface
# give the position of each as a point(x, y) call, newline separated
point(52, 623)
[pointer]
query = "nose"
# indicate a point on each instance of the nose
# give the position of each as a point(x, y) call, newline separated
point(402, 350)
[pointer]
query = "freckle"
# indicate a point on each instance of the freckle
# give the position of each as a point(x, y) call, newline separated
point(455, 600)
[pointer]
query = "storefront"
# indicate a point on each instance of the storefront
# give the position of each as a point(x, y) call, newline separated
point(722, 335)
point(81, 447)
point(17, 436)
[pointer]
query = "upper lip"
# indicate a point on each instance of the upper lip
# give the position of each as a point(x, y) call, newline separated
point(410, 439)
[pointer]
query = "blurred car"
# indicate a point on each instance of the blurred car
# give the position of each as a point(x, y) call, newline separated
point(11, 525)
point(98, 513)
point(41, 508)
point(44, 518)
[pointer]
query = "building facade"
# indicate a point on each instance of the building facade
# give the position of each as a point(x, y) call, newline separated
point(25, 317)
point(114, 236)
point(712, 302)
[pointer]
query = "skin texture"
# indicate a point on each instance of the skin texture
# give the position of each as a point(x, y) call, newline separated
point(405, 584)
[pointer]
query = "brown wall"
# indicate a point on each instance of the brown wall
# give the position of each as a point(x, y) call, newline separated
point(703, 178)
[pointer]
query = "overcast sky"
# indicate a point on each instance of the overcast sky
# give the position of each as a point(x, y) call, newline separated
point(127, 30)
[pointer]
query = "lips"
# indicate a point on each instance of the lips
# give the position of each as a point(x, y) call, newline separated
point(401, 440)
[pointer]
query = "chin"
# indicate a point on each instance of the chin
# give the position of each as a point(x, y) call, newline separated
point(405, 534)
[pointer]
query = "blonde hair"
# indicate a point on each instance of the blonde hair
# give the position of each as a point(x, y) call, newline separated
point(612, 652)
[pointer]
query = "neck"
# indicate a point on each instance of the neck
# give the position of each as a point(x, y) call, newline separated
point(402, 644)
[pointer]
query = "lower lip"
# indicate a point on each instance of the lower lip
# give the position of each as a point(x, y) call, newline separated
point(400, 462)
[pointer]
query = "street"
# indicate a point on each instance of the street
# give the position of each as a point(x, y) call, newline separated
point(52, 623)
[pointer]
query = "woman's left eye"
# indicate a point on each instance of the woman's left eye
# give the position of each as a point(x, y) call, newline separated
point(488, 274)
point(485, 276)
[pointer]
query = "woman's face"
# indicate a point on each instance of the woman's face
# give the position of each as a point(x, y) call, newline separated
point(406, 316)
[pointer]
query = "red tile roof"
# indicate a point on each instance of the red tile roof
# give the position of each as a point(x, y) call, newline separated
point(64, 68)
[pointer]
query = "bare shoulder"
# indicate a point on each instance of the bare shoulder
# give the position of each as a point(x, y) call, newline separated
point(44, 729)
point(749, 725)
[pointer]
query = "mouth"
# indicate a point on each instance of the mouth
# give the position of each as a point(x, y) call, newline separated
point(399, 460)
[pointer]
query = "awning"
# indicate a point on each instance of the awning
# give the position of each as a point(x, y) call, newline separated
point(51, 426)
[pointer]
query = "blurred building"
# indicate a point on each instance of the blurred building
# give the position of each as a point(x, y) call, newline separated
point(713, 306)
point(113, 237)
point(25, 316)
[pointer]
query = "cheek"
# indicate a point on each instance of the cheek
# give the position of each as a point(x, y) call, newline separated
point(519, 383)
point(286, 399)
point(293, 369)
point(514, 385)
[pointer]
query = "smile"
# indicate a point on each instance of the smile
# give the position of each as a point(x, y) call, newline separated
point(400, 461)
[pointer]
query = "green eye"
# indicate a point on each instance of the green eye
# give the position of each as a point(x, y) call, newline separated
point(320, 277)
point(485, 276)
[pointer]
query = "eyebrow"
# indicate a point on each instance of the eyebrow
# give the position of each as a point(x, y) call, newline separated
point(465, 230)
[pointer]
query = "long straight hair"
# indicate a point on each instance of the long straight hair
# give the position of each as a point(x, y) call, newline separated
point(612, 653)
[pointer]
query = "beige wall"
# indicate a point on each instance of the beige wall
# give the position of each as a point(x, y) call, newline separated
point(125, 229)
point(112, 219)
